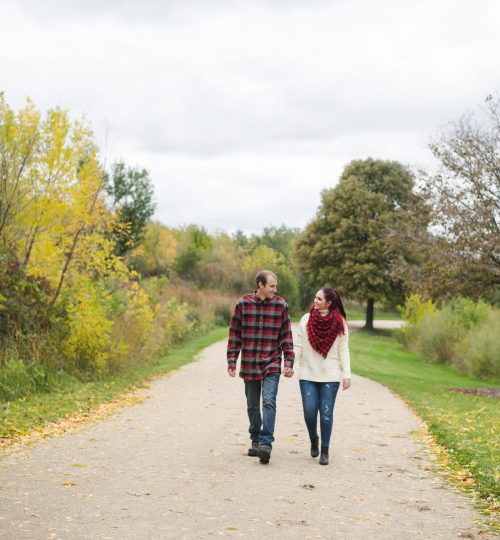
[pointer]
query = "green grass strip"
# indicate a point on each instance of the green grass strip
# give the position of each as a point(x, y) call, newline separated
point(357, 315)
point(466, 425)
point(71, 396)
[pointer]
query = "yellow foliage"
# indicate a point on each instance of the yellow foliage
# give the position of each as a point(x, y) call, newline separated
point(263, 257)
point(416, 309)
point(87, 346)
point(157, 251)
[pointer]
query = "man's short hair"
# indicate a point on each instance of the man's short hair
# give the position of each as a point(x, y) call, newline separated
point(263, 276)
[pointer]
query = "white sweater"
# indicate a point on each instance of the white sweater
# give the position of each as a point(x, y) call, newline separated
point(313, 367)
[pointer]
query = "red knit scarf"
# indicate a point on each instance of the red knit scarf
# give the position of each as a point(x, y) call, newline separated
point(322, 330)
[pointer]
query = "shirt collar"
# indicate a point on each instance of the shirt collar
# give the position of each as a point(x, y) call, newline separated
point(257, 300)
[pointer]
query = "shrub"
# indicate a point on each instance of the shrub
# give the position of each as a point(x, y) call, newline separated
point(479, 352)
point(436, 335)
point(87, 349)
point(18, 379)
point(463, 333)
point(468, 313)
point(414, 311)
point(223, 315)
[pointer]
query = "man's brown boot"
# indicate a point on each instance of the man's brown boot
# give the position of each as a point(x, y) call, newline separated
point(264, 454)
point(254, 449)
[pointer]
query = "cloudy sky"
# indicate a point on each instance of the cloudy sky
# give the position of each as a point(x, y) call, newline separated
point(243, 111)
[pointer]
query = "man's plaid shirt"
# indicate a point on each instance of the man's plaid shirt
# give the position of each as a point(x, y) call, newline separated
point(261, 330)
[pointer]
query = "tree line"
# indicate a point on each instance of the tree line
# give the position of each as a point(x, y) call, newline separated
point(91, 284)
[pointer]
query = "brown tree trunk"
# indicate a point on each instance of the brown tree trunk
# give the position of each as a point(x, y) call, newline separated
point(369, 314)
point(69, 256)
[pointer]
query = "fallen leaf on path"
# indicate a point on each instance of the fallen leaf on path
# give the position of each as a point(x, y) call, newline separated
point(69, 483)
point(230, 528)
point(307, 486)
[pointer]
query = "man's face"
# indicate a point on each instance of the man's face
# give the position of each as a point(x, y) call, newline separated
point(269, 289)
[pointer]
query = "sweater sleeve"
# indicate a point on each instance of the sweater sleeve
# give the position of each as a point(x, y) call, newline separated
point(345, 359)
point(297, 343)
point(286, 339)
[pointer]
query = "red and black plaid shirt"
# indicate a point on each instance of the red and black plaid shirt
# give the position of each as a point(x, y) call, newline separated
point(261, 330)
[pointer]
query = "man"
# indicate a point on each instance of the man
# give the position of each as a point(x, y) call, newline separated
point(260, 329)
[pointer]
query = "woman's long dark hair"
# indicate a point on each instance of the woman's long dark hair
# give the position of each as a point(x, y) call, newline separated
point(333, 296)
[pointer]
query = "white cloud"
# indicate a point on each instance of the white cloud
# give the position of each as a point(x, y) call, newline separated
point(236, 104)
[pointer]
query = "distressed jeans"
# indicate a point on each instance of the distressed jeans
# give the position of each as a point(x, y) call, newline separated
point(319, 397)
point(262, 425)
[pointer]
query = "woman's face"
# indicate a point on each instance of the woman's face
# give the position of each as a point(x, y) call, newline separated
point(320, 301)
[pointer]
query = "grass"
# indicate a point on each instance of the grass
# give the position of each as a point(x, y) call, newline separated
point(466, 425)
point(359, 315)
point(74, 397)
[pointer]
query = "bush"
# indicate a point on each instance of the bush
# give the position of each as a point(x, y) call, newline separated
point(223, 315)
point(415, 309)
point(18, 379)
point(468, 313)
point(479, 352)
point(463, 333)
point(436, 335)
point(87, 349)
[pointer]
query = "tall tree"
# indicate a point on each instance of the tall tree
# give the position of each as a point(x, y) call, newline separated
point(277, 238)
point(131, 191)
point(451, 246)
point(465, 194)
point(346, 244)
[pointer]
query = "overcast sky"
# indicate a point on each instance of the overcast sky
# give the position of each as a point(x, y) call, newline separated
point(243, 111)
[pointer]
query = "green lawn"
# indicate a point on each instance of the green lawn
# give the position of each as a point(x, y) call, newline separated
point(359, 315)
point(466, 425)
point(73, 396)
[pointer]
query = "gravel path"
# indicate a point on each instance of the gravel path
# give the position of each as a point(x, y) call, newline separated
point(175, 466)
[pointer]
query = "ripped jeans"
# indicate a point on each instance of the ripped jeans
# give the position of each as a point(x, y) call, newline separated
point(319, 397)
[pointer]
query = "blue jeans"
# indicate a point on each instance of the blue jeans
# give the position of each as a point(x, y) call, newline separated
point(262, 426)
point(319, 397)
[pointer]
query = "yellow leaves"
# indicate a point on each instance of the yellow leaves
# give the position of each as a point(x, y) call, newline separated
point(262, 257)
point(158, 249)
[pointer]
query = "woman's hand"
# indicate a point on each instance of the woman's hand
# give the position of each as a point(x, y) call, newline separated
point(346, 383)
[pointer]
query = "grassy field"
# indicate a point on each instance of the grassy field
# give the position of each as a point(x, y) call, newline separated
point(77, 398)
point(466, 425)
point(360, 315)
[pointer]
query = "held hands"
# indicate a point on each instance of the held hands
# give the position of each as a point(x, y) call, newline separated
point(346, 384)
point(288, 372)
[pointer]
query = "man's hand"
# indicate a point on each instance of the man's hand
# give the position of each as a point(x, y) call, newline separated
point(288, 372)
point(346, 384)
point(231, 371)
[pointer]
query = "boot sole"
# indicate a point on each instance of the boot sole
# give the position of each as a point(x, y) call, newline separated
point(264, 456)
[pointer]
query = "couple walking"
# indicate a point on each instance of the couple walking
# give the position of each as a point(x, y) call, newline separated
point(260, 330)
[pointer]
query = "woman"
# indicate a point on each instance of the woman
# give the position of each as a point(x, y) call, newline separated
point(322, 351)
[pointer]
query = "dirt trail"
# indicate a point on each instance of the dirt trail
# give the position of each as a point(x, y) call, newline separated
point(175, 467)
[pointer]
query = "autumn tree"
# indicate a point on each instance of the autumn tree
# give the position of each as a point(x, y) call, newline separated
point(157, 251)
point(465, 197)
point(346, 246)
point(194, 243)
point(277, 238)
point(53, 225)
point(131, 192)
